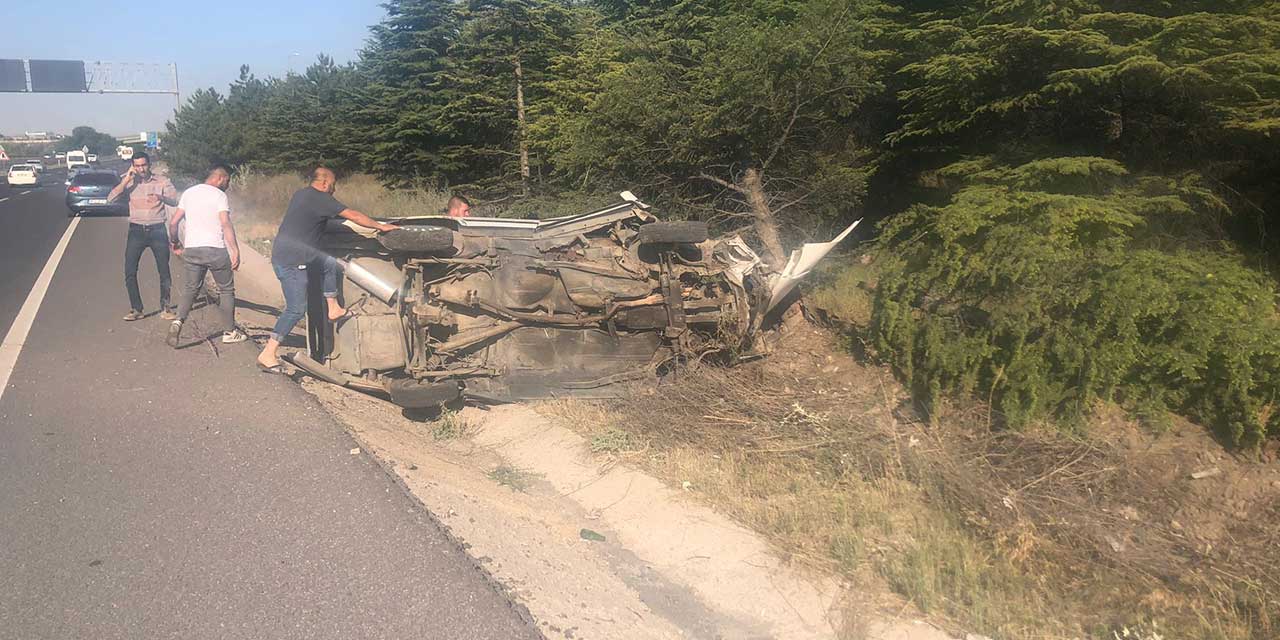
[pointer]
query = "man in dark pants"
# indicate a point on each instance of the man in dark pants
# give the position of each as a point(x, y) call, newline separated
point(295, 250)
point(148, 195)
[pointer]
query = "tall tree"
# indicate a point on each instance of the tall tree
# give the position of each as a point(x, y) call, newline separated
point(749, 112)
point(197, 134)
point(98, 143)
point(404, 61)
point(498, 73)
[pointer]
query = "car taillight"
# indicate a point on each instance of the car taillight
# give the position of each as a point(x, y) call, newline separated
point(73, 189)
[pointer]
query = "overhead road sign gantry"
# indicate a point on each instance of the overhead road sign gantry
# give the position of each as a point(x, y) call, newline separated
point(79, 76)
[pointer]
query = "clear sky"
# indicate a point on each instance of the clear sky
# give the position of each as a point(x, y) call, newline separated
point(208, 41)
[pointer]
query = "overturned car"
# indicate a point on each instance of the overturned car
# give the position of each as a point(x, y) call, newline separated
point(498, 310)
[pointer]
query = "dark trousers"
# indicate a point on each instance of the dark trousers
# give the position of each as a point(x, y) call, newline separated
point(141, 237)
point(202, 260)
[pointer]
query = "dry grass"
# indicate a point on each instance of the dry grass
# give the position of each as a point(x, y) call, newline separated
point(260, 201)
point(1015, 535)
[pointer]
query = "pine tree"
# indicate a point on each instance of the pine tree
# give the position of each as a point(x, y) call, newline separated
point(403, 109)
point(497, 74)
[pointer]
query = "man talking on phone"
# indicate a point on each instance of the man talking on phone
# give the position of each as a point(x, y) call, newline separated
point(148, 195)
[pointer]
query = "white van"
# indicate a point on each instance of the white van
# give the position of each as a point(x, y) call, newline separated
point(76, 157)
point(125, 152)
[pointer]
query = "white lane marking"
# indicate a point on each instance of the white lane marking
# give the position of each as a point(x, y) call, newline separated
point(3, 199)
point(17, 336)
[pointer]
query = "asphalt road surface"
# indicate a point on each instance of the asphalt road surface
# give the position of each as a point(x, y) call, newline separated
point(159, 493)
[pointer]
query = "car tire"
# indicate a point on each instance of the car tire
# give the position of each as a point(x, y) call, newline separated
point(682, 232)
point(414, 394)
point(425, 240)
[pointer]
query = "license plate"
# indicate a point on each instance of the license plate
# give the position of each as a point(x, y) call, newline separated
point(97, 200)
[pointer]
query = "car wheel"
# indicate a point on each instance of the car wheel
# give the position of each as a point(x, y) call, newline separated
point(682, 232)
point(412, 394)
point(434, 241)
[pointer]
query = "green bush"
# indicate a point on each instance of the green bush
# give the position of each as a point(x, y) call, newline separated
point(1047, 286)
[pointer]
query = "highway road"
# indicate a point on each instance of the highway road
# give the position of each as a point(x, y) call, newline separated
point(158, 493)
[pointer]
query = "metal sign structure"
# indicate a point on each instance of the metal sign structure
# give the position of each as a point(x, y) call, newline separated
point(80, 76)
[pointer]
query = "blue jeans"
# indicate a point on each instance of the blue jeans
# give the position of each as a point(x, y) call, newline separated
point(293, 281)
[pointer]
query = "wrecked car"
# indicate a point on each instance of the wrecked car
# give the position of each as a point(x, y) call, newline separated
point(501, 310)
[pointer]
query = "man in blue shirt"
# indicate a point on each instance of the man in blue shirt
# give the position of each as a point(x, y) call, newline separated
point(295, 250)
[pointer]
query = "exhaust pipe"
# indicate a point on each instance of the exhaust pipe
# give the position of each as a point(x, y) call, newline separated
point(381, 289)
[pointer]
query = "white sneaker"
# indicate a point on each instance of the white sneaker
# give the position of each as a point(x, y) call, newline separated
point(234, 336)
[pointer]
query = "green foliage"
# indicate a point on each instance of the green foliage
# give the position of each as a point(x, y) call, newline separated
point(98, 143)
point(1049, 285)
point(719, 88)
point(288, 124)
point(405, 63)
point(1163, 87)
point(1058, 176)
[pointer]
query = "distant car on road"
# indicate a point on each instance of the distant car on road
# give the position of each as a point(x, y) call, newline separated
point(88, 190)
point(59, 156)
point(93, 158)
point(76, 167)
point(35, 162)
point(24, 175)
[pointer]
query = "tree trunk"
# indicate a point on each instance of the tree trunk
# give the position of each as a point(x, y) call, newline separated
point(766, 225)
point(522, 131)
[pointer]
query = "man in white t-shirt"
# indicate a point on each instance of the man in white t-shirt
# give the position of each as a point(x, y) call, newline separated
point(209, 246)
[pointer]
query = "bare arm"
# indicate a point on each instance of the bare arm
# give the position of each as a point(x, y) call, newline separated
point(365, 221)
point(173, 224)
point(125, 183)
point(229, 238)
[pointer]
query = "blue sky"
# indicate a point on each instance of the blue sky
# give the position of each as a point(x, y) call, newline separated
point(208, 41)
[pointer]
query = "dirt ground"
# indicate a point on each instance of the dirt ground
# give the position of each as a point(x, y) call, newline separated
point(801, 496)
point(597, 549)
point(1031, 534)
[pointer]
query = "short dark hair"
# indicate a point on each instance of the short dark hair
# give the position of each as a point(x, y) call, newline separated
point(315, 173)
point(456, 199)
point(220, 167)
point(141, 155)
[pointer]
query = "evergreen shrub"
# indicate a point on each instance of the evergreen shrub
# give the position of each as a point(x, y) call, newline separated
point(1050, 285)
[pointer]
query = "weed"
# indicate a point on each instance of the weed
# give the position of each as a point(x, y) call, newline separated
point(1012, 534)
point(449, 425)
point(613, 441)
point(509, 476)
point(844, 290)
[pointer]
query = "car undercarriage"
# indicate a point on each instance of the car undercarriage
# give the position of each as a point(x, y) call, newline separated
point(497, 310)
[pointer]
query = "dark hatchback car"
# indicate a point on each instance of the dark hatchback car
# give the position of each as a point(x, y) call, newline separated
point(88, 192)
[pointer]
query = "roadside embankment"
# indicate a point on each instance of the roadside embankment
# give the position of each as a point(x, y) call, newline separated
point(592, 546)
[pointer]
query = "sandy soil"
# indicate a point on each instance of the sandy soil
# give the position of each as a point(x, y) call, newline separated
point(666, 567)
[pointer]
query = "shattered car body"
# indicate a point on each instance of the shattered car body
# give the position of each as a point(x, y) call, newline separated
point(498, 310)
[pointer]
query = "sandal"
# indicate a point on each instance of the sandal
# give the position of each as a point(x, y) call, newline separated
point(275, 369)
point(134, 315)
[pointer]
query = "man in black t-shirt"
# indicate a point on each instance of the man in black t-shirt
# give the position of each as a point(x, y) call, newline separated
point(295, 250)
